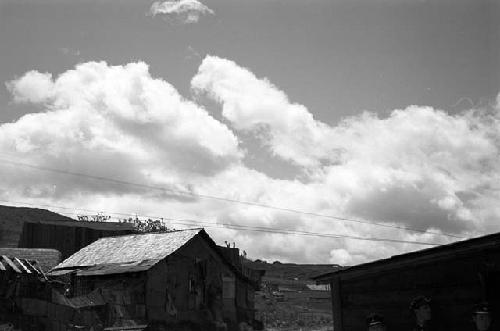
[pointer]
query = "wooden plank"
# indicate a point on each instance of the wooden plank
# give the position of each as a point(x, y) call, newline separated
point(336, 303)
point(11, 264)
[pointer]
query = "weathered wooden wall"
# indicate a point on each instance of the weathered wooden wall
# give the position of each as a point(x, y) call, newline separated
point(188, 275)
point(453, 284)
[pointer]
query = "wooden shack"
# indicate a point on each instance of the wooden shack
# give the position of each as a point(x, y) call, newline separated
point(454, 276)
point(172, 278)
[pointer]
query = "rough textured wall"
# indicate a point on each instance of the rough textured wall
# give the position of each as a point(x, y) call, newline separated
point(454, 286)
point(187, 286)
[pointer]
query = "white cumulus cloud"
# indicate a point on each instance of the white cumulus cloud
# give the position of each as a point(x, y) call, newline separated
point(33, 87)
point(256, 105)
point(418, 167)
point(116, 120)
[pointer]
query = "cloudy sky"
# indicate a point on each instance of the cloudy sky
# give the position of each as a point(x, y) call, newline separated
point(376, 111)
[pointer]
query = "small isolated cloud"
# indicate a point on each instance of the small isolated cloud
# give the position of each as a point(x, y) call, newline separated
point(33, 86)
point(185, 11)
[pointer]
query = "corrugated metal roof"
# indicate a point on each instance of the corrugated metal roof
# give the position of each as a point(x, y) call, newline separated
point(46, 258)
point(129, 248)
point(20, 266)
point(470, 246)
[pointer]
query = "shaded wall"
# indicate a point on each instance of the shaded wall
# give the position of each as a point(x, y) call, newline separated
point(454, 283)
point(187, 286)
point(124, 295)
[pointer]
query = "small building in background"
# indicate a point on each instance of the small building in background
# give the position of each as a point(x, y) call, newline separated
point(176, 278)
point(454, 276)
point(22, 227)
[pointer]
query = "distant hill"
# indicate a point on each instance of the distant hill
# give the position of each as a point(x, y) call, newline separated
point(12, 219)
point(291, 271)
point(285, 302)
point(30, 214)
point(44, 222)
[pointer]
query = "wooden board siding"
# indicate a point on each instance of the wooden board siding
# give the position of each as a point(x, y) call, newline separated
point(453, 284)
point(196, 262)
point(124, 295)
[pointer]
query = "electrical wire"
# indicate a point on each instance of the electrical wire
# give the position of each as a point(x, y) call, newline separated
point(206, 196)
point(219, 225)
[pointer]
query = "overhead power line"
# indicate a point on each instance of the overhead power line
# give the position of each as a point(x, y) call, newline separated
point(232, 226)
point(211, 197)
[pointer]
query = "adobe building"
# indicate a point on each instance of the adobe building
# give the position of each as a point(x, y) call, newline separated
point(175, 279)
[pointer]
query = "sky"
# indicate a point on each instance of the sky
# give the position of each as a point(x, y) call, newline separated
point(375, 111)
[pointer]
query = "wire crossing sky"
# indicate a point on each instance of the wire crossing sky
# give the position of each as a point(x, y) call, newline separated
point(219, 225)
point(204, 196)
point(351, 119)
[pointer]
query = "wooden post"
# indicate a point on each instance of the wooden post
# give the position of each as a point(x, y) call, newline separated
point(336, 303)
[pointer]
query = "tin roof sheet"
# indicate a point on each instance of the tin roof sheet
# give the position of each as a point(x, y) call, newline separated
point(129, 248)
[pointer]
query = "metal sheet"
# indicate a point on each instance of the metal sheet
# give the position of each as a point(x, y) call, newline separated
point(23, 267)
point(31, 267)
point(11, 264)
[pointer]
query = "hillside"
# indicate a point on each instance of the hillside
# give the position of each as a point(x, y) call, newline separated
point(287, 301)
point(291, 271)
point(29, 214)
point(12, 220)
